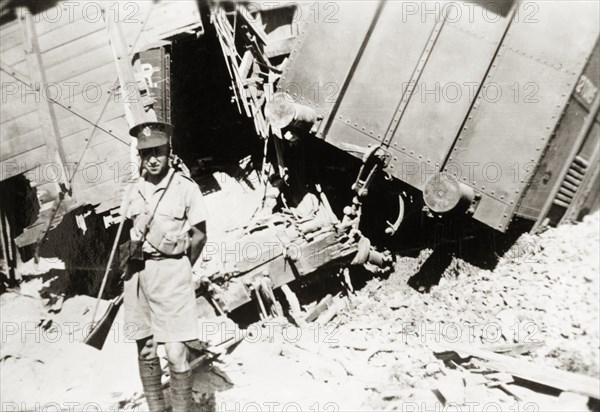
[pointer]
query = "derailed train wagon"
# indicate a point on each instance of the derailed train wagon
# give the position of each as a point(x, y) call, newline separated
point(76, 76)
point(487, 108)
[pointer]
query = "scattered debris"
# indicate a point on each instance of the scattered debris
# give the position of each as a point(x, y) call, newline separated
point(373, 353)
point(552, 377)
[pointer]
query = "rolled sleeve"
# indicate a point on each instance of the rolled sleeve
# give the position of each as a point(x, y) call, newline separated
point(135, 205)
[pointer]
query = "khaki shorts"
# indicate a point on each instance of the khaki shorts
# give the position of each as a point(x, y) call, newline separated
point(160, 301)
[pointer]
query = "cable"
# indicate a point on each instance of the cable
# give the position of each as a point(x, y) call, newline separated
point(68, 109)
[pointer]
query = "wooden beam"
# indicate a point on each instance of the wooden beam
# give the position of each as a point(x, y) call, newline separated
point(134, 107)
point(45, 109)
point(552, 377)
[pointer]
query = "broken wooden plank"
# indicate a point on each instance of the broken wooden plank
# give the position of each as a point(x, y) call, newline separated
point(320, 308)
point(338, 304)
point(246, 64)
point(516, 348)
point(555, 378)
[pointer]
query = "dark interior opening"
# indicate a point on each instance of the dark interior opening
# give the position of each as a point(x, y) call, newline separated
point(210, 133)
point(19, 208)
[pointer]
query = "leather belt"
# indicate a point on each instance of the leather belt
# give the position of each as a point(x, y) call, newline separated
point(152, 256)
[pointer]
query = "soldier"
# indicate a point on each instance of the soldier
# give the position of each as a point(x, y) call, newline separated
point(169, 230)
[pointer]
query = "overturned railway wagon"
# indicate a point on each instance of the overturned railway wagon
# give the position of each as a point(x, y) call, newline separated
point(484, 109)
point(494, 104)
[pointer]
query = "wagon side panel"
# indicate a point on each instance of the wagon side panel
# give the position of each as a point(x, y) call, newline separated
point(506, 134)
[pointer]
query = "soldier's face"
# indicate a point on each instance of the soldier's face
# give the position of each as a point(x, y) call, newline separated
point(155, 160)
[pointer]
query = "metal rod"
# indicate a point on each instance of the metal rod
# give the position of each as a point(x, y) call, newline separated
point(566, 192)
point(572, 180)
point(578, 168)
point(575, 174)
point(560, 203)
point(564, 198)
point(581, 161)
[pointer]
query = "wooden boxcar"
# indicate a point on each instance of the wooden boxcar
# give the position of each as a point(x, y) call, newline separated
point(71, 90)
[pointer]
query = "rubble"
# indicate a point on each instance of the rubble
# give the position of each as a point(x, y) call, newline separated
point(539, 304)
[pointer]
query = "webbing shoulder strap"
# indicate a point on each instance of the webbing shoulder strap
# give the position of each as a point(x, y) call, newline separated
point(147, 228)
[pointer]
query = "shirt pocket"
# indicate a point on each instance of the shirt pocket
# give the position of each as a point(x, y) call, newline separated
point(172, 211)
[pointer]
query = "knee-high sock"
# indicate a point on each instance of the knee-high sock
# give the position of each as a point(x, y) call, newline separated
point(150, 373)
point(181, 391)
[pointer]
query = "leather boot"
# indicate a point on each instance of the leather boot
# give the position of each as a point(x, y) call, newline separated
point(150, 373)
point(181, 391)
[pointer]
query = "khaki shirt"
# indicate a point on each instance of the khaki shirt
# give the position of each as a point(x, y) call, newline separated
point(181, 207)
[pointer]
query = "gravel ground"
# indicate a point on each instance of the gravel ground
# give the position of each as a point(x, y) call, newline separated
point(544, 292)
point(374, 355)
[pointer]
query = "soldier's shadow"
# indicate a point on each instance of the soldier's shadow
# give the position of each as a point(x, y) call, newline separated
point(207, 383)
point(209, 380)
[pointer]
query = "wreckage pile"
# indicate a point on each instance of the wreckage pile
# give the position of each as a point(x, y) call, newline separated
point(386, 346)
point(540, 303)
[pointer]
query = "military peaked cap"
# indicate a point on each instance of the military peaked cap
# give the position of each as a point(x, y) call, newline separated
point(152, 134)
